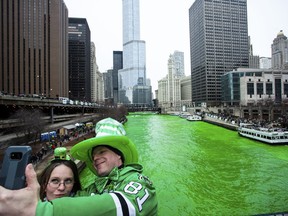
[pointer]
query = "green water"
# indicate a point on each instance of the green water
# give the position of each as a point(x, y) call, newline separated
point(202, 169)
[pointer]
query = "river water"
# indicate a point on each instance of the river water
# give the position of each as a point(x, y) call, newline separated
point(202, 169)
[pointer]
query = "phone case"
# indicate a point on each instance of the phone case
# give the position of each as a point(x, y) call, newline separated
point(16, 158)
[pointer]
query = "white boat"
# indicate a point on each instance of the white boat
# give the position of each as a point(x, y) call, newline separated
point(273, 136)
point(194, 118)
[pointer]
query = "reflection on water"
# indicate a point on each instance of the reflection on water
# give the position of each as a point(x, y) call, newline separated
point(202, 169)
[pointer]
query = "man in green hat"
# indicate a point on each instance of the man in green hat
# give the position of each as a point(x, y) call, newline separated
point(120, 188)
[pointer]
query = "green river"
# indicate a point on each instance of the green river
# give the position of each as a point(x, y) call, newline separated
point(202, 169)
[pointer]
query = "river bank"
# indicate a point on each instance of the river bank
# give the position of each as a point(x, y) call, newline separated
point(220, 122)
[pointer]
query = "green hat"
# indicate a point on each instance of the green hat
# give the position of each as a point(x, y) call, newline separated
point(61, 153)
point(111, 133)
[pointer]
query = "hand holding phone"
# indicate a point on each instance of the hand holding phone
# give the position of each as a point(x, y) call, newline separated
point(12, 174)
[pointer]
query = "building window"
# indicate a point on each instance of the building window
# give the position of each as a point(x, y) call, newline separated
point(286, 89)
point(250, 89)
point(269, 90)
point(260, 89)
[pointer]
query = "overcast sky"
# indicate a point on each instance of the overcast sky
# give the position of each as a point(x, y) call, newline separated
point(164, 25)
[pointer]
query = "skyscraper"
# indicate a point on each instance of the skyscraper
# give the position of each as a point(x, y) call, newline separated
point(169, 88)
point(79, 59)
point(94, 73)
point(34, 47)
point(280, 52)
point(178, 59)
point(218, 44)
point(132, 78)
point(108, 88)
point(265, 62)
point(254, 61)
point(117, 65)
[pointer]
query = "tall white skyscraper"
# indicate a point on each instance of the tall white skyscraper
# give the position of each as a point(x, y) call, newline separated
point(132, 78)
point(178, 59)
point(169, 88)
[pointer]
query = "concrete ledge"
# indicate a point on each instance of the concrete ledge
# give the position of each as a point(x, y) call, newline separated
point(220, 123)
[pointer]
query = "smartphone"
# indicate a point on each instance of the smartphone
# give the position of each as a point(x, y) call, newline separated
point(12, 174)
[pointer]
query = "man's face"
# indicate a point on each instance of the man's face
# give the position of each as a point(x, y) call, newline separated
point(104, 160)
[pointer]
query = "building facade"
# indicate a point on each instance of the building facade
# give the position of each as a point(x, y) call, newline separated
point(79, 60)
point(94, 74)
point(34, 48)
point(178, 59)
point(117, 65)
point(280, 52)
point(108, 88)
point(186, 96)
point(99, 88)
point(265, 62)
point(253, 60)
point(169, 89)
point(247, 87)
point(133, 75)
point(218, 44)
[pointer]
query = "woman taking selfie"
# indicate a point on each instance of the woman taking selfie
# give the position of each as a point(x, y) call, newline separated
point(60, 178)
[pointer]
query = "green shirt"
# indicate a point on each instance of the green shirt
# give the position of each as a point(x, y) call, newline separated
point(123, 192)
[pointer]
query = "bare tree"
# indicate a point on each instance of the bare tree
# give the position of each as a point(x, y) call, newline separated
point(30, 122)
point(118, 113)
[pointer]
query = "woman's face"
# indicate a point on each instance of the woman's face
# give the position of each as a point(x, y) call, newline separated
point(60, 183)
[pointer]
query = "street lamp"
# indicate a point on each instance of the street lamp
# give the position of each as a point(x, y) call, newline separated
point(50, 92)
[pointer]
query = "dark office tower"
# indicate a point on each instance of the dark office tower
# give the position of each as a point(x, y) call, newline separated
point(34, 47)
point(218, 44)
point(79, 59)
point(117, 65)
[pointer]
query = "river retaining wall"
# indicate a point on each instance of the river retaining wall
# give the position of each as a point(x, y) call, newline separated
point(220, 122)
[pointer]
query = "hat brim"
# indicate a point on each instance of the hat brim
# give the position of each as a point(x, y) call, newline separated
point(83, 150)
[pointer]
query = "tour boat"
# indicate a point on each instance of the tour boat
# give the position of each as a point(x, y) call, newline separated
point(194, 118)
point(273, 136)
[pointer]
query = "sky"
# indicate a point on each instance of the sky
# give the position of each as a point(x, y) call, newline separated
point(164, 26)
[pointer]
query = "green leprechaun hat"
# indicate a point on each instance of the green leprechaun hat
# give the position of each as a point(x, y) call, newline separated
point(60, 153)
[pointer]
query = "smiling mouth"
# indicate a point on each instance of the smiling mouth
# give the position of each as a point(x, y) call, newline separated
point(98, 164)
point(60, 195)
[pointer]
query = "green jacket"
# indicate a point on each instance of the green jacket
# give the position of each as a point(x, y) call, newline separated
point(123, 192)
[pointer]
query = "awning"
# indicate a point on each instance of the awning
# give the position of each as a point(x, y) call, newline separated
point(69, 127)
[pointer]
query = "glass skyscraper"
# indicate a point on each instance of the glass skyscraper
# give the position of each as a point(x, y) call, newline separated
point(133, 75)
point(218, 44)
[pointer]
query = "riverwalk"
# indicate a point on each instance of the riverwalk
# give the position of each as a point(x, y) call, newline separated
point(220, 122)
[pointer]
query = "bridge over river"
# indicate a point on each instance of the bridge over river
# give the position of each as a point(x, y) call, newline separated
point(56, 111)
